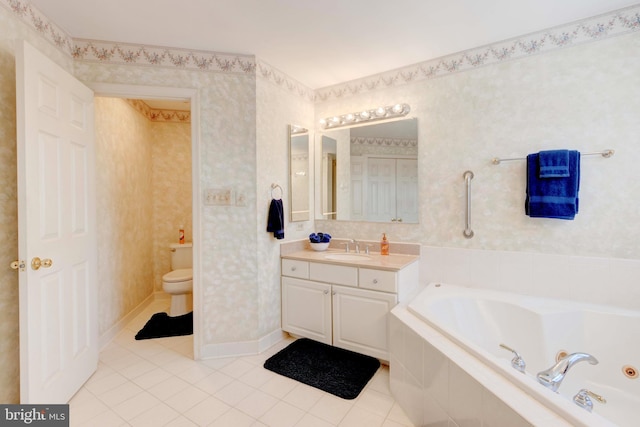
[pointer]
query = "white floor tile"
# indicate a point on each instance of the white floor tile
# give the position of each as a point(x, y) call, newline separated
point(207, 411)
point(159, 415)
point(157, 383)
point(257, 403)
point(282, 415)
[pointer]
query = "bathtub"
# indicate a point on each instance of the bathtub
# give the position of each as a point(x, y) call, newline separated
point(461, 321)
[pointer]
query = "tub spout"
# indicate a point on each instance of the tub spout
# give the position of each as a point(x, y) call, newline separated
point(552, 377)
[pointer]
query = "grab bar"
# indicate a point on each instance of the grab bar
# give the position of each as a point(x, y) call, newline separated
point(468, 232)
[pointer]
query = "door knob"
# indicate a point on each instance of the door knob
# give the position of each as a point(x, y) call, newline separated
point(36, 263)
point(18, 265)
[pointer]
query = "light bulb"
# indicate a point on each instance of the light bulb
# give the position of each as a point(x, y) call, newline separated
point(381, 111)
point(364, 115)
point(398, 108)
point(349, 117)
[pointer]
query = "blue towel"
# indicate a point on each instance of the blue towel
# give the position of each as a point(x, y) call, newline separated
point(555, 197)
point(554, 164)
point(275, 221)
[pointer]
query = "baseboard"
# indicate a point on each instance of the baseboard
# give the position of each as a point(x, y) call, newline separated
point(111, 333)
point(241, 348)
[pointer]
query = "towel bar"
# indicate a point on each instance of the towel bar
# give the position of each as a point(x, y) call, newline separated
point(606, 154)
point(468, 232)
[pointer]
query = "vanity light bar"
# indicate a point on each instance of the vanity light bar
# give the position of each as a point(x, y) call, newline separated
point(296, 130)
point(380, 113)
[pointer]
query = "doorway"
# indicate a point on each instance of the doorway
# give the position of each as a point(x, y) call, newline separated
point(144, 207)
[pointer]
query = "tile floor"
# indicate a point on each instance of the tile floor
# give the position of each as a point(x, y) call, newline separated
point(157, 383)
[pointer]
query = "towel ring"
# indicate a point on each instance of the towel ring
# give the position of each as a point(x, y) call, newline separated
point(276, 187)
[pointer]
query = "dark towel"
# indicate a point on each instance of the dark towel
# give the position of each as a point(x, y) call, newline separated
point(275, 222)
point(554, 164)
point(555, 197)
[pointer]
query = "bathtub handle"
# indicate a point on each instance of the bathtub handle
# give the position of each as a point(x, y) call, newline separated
point(583, 400)
point(517, 362)
point(468, 232)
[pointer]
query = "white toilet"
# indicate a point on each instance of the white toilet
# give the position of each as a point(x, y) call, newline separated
point(179, 281)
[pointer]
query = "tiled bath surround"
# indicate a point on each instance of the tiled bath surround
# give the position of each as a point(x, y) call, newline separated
point(600, 280)
point(439, 385)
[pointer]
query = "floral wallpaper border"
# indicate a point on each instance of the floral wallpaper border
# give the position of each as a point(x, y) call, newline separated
point(378, 141)
point(587, 30)
point(596, 28)
point(155, 115)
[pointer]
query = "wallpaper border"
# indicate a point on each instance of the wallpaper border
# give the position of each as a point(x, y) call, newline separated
point(592, 29)
point(622, 21)
point(156, 115)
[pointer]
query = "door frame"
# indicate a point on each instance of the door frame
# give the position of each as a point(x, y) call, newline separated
point(114, 90)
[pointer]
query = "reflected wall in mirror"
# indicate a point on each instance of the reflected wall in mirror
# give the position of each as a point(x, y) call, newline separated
point(368, 173)
point(299, 183)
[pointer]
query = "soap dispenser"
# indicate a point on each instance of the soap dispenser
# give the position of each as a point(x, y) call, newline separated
point(181, 235)
point(384, 245)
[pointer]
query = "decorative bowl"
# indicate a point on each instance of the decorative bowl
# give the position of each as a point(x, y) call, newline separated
point(319, 246)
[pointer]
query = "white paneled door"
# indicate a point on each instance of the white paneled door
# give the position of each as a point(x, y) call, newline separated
point(57, 230)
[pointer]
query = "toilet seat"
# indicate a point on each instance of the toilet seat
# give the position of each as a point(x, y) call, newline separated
point(180, 275)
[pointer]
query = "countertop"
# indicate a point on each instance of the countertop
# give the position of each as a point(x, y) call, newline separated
point(391, 262)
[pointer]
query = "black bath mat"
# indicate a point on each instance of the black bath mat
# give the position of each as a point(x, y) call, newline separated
point(337, 371)
point(162, 325)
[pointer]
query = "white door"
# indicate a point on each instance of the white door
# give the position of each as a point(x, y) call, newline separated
point(56, 225)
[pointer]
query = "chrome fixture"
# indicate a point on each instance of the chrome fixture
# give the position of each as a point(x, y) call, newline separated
point(468, 232)
point(380, 113)
point(517, 362)
point(583, 399)
point(605, 153)
point(552, 377)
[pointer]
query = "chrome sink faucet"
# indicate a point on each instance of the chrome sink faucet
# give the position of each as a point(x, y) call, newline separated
point(357, 245)
point(552, 377)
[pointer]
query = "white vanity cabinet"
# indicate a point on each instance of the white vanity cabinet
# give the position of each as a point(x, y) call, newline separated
point(342, 305)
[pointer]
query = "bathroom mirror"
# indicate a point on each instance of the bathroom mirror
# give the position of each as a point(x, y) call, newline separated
point(368, 173)
point(299, 183)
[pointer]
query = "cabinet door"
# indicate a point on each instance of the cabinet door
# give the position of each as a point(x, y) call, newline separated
point(306, 309)
point(360, 320)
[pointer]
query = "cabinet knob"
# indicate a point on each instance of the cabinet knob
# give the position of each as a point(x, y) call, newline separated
point(333, 293)
point(375, 281)
point(293, 268)
point(326, 292)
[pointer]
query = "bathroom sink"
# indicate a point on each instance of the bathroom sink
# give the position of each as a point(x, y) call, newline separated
point(347, 257)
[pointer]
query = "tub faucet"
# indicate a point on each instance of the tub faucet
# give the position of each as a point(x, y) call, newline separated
point(552, 377)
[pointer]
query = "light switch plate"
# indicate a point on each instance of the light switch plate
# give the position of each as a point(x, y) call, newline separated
point(218, 197)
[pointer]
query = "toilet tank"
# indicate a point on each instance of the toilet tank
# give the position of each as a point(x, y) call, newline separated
point(181, 256)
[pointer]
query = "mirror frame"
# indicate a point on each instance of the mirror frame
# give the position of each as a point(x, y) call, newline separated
point(318, 172)
point(298, 216)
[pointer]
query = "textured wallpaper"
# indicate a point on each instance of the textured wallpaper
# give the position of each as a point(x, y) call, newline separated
point(583, 97)
point(276, 108)
point(125, 209)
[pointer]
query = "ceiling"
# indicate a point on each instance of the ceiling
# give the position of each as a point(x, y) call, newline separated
point(319, 43)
